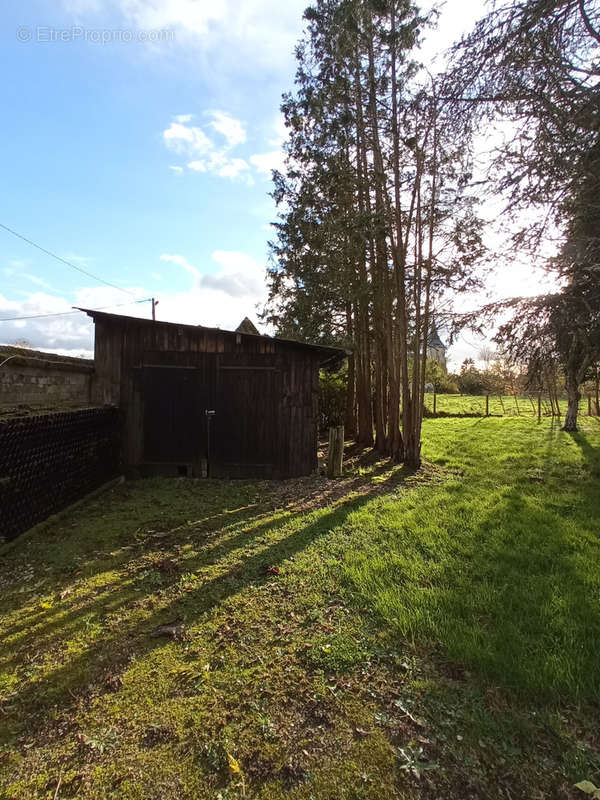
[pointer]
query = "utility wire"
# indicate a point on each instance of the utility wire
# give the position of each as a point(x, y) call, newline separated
point(64, 260)
point(67, 313)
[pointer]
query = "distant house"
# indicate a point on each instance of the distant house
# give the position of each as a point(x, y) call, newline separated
point(247, 326)
point(196, 399)
point(436, 350)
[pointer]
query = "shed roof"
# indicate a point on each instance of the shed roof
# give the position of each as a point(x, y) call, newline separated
point(326, 353)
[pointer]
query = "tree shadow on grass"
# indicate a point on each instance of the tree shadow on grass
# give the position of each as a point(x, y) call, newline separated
point(524, 608)
point(510, 585)
point(590, 452)
point(62, 687)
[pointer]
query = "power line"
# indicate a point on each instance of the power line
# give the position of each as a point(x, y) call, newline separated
point(67, 313)
point(64, 260)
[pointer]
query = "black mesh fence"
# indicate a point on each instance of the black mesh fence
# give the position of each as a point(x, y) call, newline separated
point(51, 460)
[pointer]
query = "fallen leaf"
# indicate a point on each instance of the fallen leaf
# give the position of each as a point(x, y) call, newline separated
point(173, 629)
point(234, 765)
point(587, 787)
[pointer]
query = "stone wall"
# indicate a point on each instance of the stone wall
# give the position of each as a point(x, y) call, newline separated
point(49, 461)
point(34, 379)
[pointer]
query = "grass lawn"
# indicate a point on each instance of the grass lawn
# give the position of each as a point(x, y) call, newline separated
point(387, 635)
point(505, 406)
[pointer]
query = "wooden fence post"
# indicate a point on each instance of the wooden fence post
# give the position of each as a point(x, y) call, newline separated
point(487, 405)
point(589, 405)
point(434, 401)
point(540, 407)
point(335, 456)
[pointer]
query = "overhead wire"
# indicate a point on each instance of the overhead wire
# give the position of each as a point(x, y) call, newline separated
point(68, 313)
point(64, 260)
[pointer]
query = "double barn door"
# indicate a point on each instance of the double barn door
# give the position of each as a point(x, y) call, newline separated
point(244, 392)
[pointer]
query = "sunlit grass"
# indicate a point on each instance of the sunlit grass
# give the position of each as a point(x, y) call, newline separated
point(502, 566)
point(448, 618)
point(525, 406)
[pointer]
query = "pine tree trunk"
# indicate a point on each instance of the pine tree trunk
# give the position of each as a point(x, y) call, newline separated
point(363, 380)
point(350, 411)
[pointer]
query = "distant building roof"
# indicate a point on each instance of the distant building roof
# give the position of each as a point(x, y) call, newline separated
point(433, 340)
point(247, 326)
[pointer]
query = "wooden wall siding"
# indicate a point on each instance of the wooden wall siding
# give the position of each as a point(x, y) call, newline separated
point(265, 393)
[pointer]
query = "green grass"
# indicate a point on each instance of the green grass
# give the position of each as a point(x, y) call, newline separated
point(499, 565)
point(505, 406)
point(426, 636)
point(463, 405)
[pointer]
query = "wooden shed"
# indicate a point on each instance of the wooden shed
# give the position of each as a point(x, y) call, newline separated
point(197, 400)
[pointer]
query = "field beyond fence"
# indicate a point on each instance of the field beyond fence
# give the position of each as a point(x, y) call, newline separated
point(459, 405)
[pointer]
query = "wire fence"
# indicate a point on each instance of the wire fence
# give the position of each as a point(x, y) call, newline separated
point(459, 405)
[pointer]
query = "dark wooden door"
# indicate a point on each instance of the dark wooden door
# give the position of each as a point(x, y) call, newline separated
point(175, 400)
point(246, 425)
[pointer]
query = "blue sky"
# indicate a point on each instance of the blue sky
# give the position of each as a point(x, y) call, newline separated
point(147, 163)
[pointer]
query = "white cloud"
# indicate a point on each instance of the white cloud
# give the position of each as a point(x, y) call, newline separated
point(233, 168)
point(207, 306)
point(195, 16)
point(229, 127)
point(198, 166)
point(70, 333)
point(260, 33)
point(265, 162)
point(275, 158)
point(208, 156)
point(280, 131)
point(221, 298)
point(239, 275)
point(177, 170)
point(182, 138)
point(106, 296)
point(221, 165)
point(182, 262)
point(16, 267)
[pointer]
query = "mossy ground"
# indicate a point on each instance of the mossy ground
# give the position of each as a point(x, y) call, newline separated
point(430, 636)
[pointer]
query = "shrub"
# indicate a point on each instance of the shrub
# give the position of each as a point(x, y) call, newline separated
point(332, 398)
